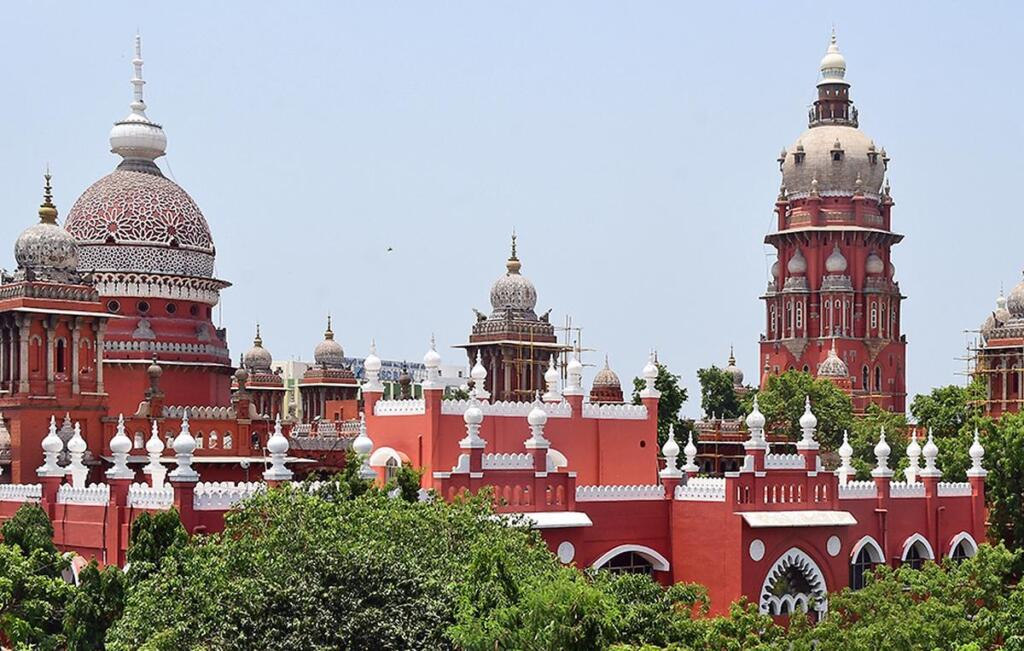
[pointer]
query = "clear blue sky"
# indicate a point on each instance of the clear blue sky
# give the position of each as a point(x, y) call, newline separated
point(632, 145)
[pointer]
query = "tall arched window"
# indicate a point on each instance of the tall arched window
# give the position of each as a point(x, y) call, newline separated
point(878, 378)
point(865, 382)
point(61, 356)
point(862, 567)
point(391, 467)
point(828, 316)
point(874, 316)
point(799, 315)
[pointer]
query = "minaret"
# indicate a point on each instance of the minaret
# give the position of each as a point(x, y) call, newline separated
point(136, 138)
point(834, 281)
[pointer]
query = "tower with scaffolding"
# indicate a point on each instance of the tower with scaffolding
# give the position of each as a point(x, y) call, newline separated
point(996, 357)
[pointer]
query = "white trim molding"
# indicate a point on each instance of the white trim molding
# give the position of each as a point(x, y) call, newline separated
point(382, 455)
point(657, 561)
point(917, 538)
point(794, 557)
point(963, 536)
point(877, 555)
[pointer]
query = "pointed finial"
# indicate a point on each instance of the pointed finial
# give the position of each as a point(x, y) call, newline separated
point(732, 357)
point(258, 340)
point(138, 103)
point(329, 333)
point(47, 211)
point(514, 244)
point(513, 265)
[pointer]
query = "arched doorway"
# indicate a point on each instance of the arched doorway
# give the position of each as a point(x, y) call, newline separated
point(794, 582)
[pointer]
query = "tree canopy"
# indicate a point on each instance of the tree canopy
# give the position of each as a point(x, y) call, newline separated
point(717, 394)
point(782, 398)
point(673, 396)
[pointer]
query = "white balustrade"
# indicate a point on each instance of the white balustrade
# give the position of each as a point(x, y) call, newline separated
point(222, 495)
point(614, 412)
point(903, 489)
point(399, 407)
point(509, 461)
point(95, 494)
point(954, 489)
point(200, 413)
point(619, 493)
point(702, 489)
point(505, 408)
point(21, 492)
point(784, 462)
point(858, 490)
point(144, 496)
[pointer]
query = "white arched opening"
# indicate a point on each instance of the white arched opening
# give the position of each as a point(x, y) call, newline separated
point(790, 584)
point(657, 562)
point(865, 556)
point(916, 550)
point(556, 460)
point(962, 546)
point(382, 455)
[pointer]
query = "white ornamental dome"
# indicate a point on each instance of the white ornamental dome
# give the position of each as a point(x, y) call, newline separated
point(513, 290)
point(858, 158)
point(329, 353)
point(45, 251)
point(833, 366)
point(797, 264)
point(997, 318)
point(874, 265)
point(836, 261)
point(1015, 301)
point(833, 64)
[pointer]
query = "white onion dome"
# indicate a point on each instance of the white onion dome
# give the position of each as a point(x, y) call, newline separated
point(913, 448)
point(184, 442)
point(154, 445)
point(45, 251)
point(51, 442)
point(690, 450)
point(845, 450)
point(833, 64)
point(120, 444)
point(650, 370)
point(362, 444)
point(874, 264)
point(551, 375)
point(1015, 301)
point(833, 366)
point(432, 359)
point(372, 363)
point(277, 443)
point(930, 450)
point(976, 451)
point(137, 136)
point(808, 420)
point(77, 443)
point(329, 353)
point(671, 448)
point(474, 415)
point(513, 290)
point(734, 371)
point(537, 416)
point(755, 419)
point(606, 377)
point(775, 269)
point(575, 367)
point(882, 449)
point(997, 318)
point(257, 359)
point(797, 264)
point(478, 372)
point(836, 261)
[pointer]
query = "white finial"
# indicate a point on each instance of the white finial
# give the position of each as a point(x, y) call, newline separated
point(650, 374)
point(671, 453)
point(120, 445)
point(473, 417)
point(52, 446)
point(808, 423)
point(913, 459)
point(479, 375)
point(691, 455)
point(574, 376)
point(931, 453)
point(882, 451)
point(137, 136)
point(977, 454)
point(551, 379)
point(155, 449)
point(363, 446)
point(277, 445)
point(845, 469)
point(432, 361)
point(833, 64)
point(184, 446)
point(755, 423)
point(372, 366)
point(537, 418)
point(76, 451)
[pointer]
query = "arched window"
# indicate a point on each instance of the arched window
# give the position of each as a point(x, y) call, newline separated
point(792, 583)
point(634, 559)
point(916, 551)
point(629, 563)
point(865, 383)
point(799, 315)
point(865, 559)
point(962, 547)
point(61, 356)
point(878, 378)
point(391, 467)
point(874, 316)
point(775, 320)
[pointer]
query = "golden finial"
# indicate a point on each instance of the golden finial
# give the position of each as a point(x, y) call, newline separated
point(732, 358)
point(513, 264)
point(329, 334)
point(258, 341)
point(47, 211)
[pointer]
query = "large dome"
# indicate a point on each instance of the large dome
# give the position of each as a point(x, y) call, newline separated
point(513, 290)
point(606, 378)
point(813, 156)
point(329, 353)
point(257, 359)
point(140, 221)
point(45, 251)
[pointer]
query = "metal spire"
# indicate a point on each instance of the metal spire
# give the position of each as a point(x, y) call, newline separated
point(138, 103)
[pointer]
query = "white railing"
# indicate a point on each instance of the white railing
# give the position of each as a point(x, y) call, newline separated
point(506, 408)
point(95, 494)
point(216, 496)
point(903, 489)
point(399, 407)
point(702, 489)
point(144, 496)
point(858, 490)
point(617, 493)
point(21, 492)
point(784, 462)
point(954, 489)
point(615, 412)
point(510, 461)
point(200, 413)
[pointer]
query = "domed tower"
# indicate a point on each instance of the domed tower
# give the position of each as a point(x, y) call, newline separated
point(328, 389)
point(606, 387)
point(834, 278)
point(151, 256)
point(51, 329)
point(265, 386)
point(515, 345)
point(1000, 354)
point(736, 374)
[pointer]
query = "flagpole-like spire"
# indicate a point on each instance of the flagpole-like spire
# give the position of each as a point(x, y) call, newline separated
point(139, 104)
point(136, 136)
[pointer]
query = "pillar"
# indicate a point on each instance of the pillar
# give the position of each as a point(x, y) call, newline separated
point(76, 334)
point(101, 331)
point(24, 325)
point(50, 324)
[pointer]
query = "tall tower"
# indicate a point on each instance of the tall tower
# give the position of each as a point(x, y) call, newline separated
point(151, 256)
point(833, 280)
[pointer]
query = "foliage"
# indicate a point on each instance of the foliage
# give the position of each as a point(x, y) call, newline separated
point(93, 607)
point(864, 436)
point(29, 528)
point(673, 395)
point(407, 481)
point(782, 398)
point(456, 393)
point(1004, 486)
point(951, 413)
point(717, 393)
point(152, 537)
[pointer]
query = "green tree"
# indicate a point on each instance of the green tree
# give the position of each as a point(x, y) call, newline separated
point(946, 410)
point(673, 396)
point(782, 398)
point(94, 606)
point(151, 538)
point(864, 436)
point(717, 394)
point(1004, 485)
point(32, 598)
point(30, 529)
